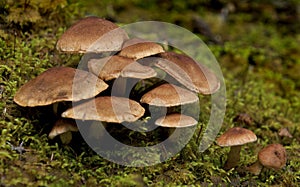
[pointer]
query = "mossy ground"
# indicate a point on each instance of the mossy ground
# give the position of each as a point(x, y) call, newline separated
point(260, 59)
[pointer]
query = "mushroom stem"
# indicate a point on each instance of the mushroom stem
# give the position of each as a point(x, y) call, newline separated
point(119, 87)
point(66, 137)
point(233, 157)
point(255, 168)
point(55, 108)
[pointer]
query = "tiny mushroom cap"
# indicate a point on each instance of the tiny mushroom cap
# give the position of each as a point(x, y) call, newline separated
point(107, 108)
point(112, 67)
point(92, 34)
point(273, 156)
point(191, 74)
point(236, 136)
point(285, 133)
point(57, 84)
point(176, 120)
point(62, 126)
point(137, 48)
point(168, 95)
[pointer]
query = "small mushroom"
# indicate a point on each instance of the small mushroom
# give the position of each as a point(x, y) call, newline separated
point(92, 34)
point(137, 48)
point(189, 73)
point(244, 118)
point(284, 132)
point(176, 120)
point(56, 84)
point(112, 67)
point(235, 138)
point(272, 156)
point(62, 126)
point(107, 108)
point(168, 95)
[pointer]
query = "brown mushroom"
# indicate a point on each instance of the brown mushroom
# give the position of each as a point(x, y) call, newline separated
point(108, 108)
point(56, 84)
point(63, 129)
point(112, 67)
point(272, 156)
point(235, 138)
point(244, 118)
point(168, 95)
point(189, 73)
point(176, 120)
point(92, 34)
point(284, 132)
point(137, 48)
point(62, 126)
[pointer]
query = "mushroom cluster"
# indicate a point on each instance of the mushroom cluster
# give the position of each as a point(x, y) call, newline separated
point(116, 57)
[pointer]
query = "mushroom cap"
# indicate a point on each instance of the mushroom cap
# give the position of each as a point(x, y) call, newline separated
point(56, 84)
point(285, 132)
point(112, 67)
point(273, 156)
point(191, 74)
point(61, 126)
point(138, 48)
point(92, 34)
point(108, 108)
point(236, 136)
point(168, 95)
point(176, 120)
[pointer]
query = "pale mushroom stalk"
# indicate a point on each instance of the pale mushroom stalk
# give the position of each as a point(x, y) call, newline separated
point(119, 87)
point(255, 168)
point(66, 137)
point(55, 108)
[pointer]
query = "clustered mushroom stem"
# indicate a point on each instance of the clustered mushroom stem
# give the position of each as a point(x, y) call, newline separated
point(255, 168)
point(119, 87)
point(55, 108)
point(233, 157)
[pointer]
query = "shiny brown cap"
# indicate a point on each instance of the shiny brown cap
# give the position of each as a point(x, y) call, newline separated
point(137, 48)
point(92, 34)
point(273, 156)
point(176, 120)
point(168, 95)
point(189, 73)
point(56, 84)
point(112, 67)
point(236, 136)
point(108, 108)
